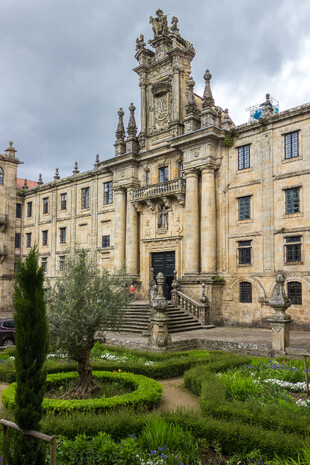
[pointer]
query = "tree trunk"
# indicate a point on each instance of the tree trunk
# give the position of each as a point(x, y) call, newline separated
point(85, 387)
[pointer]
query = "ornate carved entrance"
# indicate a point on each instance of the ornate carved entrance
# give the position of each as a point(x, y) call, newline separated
point(164, 262)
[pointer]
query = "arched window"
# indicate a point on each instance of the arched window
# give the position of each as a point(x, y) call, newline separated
point(1, 176)
point(245, 292)
point(294, 292)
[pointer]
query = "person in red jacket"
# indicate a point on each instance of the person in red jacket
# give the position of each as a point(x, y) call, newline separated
point(132, 291)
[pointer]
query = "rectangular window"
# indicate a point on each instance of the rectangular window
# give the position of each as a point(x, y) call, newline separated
point(244, 208)
point(45, 205)
point(44, 264)
point(63, 201)
point(63, 235)
point(294, 292)
point(62, 265)
point(244, 252)
point(293, 249)
point(18, 210)
point(28, 240)
point(243, 157)
point(147, 178)
point(291, 145)
point(29, 209)
point(44, 237)
point(163, 174)
point(292, 203)
point(180, 166)
point(105, 241)
point(245, 290)
point(107, 193)
point(17, 241)
point(85, 197)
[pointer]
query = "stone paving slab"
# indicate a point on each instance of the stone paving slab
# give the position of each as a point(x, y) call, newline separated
point(236, 339)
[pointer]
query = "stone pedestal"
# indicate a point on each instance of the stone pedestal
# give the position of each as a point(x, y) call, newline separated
point(280, 334)
point(160, 338)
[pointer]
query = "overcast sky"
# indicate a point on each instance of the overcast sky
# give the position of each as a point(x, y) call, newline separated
point(67, 68)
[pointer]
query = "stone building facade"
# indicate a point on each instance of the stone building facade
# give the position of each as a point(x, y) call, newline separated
point(221, 204)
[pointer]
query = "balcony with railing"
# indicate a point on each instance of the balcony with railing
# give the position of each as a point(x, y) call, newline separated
point(176, 188)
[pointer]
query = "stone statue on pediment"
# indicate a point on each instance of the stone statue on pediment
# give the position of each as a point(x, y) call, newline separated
point(140, 44)
point(159, 24)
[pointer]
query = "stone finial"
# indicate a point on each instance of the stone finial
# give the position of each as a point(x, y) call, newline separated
point(207, 99)
point(191, 106)
point(10, 151)
point(40, 181)
point(56, 175)
point(76, 168)
point(140, 44)
point(25, 186)
point(203, 298)
point(268, 109)
point(97, 161)
point(174, 25)
point(120, 131)
point(279, 301)
point(132, 127)
point(226, 120)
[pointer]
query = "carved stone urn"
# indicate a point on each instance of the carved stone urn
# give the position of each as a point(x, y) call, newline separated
point(159, 322)
point(279, 321)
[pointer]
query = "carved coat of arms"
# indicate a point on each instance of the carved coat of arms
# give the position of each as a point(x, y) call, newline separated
point(161, 107)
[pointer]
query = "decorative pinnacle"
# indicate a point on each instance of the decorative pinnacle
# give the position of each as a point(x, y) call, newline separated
point(208, 100)
point(40, 181)
point(132, 127)
point(191, 106)
point(56, 174)
point(76, 168)
point(97, 162)
point(25, 186)
point(10, 151)
point(120, 131)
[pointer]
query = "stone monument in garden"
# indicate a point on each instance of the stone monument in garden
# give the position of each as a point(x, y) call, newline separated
point(160, 337)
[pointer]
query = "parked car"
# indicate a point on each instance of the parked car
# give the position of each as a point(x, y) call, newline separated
point(7, 333)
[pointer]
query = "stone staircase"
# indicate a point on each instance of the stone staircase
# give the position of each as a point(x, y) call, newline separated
point(138, 313)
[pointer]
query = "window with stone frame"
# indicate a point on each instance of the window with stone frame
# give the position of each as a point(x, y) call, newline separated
point(63, 201)
point(163, 174)
point(180, 166)
point(292, 201)
point(291, 145)
point(244, 208)
point(84, 198)
point(29, 209)
point(62, 235)
point(106, 241)
point(243, 157)
point(28, 240)
point(45, 205)
point(245, 292)
point(107, 193)
point(44, 264)
point(62, 264)
point(293, 249)
point(147, 178)
point(44, 237)
point(245, 252)
point(1, 176)
point(294, 292)
point(17, 240)
point(18, 210)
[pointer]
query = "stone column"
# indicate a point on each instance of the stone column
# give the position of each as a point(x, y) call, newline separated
point(176, 94)
point(142, 85)
point(131, 236)
point(119, 226)
point(192, 223)
point(208, 222)
point(279, 321)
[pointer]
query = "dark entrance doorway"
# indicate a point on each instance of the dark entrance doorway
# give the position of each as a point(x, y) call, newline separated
point(164, 262)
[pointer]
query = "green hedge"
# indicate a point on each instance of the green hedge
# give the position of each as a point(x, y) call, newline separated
point(147, 393)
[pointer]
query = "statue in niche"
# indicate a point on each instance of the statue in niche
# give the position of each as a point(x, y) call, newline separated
point(163, 218)
point(159, 24)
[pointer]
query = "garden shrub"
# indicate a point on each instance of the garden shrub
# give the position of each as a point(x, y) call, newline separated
point(147, 393)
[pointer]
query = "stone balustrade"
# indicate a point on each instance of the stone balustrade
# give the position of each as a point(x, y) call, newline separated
point(198, 309)
point(174, 187)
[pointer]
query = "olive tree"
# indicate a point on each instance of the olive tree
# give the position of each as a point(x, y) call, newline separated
point(83, 302)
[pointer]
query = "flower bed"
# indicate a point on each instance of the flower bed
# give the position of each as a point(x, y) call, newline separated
point(147, 392)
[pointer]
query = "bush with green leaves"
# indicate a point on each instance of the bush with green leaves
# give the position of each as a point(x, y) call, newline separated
point(147, 393)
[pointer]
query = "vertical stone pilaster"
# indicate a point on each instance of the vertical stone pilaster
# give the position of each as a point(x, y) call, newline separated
point(176, 94)
point(208, 222)
point(131, 237)
point(119, 226)
point(142, 85)
point(192, 223)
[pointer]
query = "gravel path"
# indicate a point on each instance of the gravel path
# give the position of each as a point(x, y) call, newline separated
point(176, 395)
